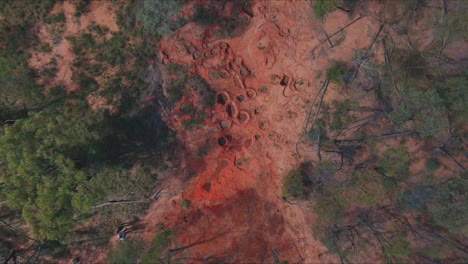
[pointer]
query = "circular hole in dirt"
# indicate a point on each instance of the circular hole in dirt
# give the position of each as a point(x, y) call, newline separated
point(231, 109)
point(243, 117)
point(222, 141)
point(251, 93)
point(223, 98)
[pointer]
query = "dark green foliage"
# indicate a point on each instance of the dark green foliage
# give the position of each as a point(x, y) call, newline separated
point(454, 92)
point(432, 165)
point(55, 250)
point(323, 7)
point(82, 44)
point(158, 245)
point(455, 27)
point(449, 208)
point(333, 239)
point(17, 81)
point(395, 162)
point(336, 73)
point(125, 252)
point(330, 206)
point(58, 18)
point(230, 23)
point(398, 246)
point(416, 198)
point(425, 108)
point(336, 123)
point(318, 132)
point(366, 188)
point(45, 153)
point(187, 109)
point(80, 7)
point(24, 13)
point(293, 184)
point(159, 17)
point(209, 98)
point(117, 44)
point(87, 84)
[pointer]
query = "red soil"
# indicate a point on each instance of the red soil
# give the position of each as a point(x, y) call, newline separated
point(236, 213)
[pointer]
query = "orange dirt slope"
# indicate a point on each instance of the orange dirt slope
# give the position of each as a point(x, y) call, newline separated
point(236, 213)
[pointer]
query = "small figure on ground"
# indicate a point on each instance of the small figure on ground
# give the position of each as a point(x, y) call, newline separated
point(121, 235)
point(122, 231)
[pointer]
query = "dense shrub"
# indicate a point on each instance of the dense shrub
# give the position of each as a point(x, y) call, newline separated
point(293, 184)
point(336, 73)
point(323, 7)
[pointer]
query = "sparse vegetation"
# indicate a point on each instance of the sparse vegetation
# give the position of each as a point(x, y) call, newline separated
point(156, 251)
point(126, 252)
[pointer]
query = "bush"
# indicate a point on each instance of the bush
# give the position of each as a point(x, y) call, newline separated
point(425, 108)
point(454, 92)
point(323, 7)
point(155, 16)
point(432, 165)
point(398, 246)
point(336, 73)
point(293, 184)
point(80, 7)
point(158, 245)
point(126, 251)
point(58, 18)
point(449, 208)
point(395, 162)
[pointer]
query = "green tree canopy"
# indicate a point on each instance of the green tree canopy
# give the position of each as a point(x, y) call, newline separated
point(45, 156)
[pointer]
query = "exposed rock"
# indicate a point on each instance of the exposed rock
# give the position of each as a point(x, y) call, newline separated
point(225, 124)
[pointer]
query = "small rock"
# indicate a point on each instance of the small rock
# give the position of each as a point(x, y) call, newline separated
point(241, 98)
point(258, 136)
point(197, 55)
point(225, 124)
